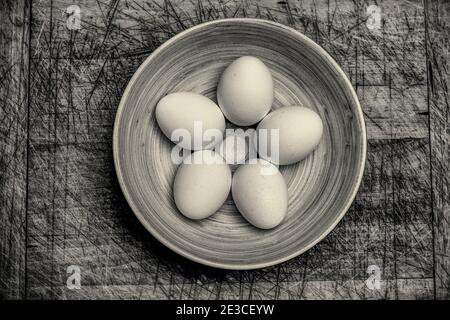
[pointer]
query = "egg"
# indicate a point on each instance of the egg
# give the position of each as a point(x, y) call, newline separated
point(234, 148)
point(202, 184)
point(191, 120)
point(260, 193)
point(299, 132)
point(245, 91)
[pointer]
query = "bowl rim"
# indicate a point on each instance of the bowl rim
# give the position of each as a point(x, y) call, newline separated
point(181, 251)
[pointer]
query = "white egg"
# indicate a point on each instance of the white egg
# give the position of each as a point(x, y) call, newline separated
point(234, 149)
point(202, 184)
point(288, 134)
point(245, 91)
point(191, 120)
point(260, 194)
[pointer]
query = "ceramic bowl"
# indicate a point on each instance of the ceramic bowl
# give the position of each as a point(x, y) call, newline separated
point(321, 188)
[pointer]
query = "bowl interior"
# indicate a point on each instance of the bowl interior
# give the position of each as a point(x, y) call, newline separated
point(320, 188)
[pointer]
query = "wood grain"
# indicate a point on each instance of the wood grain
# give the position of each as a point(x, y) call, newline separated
point(437, 35)
point(14, 39)
point(77, 214)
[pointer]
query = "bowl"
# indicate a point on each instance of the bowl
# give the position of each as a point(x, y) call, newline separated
point(321, 188)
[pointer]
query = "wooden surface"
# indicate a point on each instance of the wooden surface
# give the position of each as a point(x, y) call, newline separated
point(60, 200)
point(14, 40)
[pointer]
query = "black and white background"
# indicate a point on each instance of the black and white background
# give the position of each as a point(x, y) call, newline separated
point(66, 231)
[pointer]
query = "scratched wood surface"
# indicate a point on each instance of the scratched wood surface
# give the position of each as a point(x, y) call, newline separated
point(438, 54)
point(14, 45)
point(61, 204)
